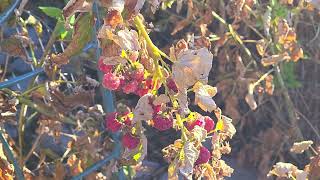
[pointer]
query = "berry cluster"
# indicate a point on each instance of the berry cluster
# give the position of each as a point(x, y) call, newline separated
point(162, 118)
point(130, 78)
point(203, 121)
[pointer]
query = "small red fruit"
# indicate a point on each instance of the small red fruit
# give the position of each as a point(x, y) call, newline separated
point(162, 123)
point(130, 141)
point(111, 81)
point(199, 122)
point(130, 87)
point(209, 124)
point(111, 122)
point(103, 67)
point(138, 73)
point(204, 156)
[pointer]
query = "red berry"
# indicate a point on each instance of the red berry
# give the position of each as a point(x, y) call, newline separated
point(103, 67)
point(112, 124)
point(199, 122)
point(172, 85)
point(204, 156)
point(111, 81)
point(209, 124)
point(142, 91)
point(130, 141)
point(138, 73)
point(162, 123)
point(156, 109)
point(130, 87)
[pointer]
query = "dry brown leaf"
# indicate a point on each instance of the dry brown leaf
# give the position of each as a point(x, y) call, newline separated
point(74, 6)
point(261, 47)
point(182, 24)
point(274, 59)
point(300, 147)
point(13, 47)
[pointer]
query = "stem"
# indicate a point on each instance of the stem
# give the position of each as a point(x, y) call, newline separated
point(32, 148)
point(157, 53)
point(48, 46)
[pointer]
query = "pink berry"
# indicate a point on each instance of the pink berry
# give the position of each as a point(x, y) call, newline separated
point(209, 124)
point(130, 87)
point(130, 141)
point(156, 109)
point(204, 156)
point(142, 91)
point(162, 123)
point(199, 122)
point(172, 85)
point(138, 73)
point(111, 81)
point(103, 67)
point(112, 124)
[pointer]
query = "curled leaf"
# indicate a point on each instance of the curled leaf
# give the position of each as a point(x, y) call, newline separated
point(300, 147)
point(128, 40)
point(282, 169)
point(143, 109)
point(228, 127)
point(82, 35)
point(192, 66)
point(74, 6)
point(199, 134)
point(203, 96)
point(191, 154)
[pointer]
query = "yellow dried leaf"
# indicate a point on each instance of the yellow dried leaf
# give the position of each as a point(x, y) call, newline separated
point(300, 147)
point(261, 47)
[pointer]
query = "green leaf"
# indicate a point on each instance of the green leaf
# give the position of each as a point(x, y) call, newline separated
point(52, 12)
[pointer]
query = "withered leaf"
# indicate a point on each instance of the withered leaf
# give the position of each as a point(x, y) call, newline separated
point(82, 35)
point(13, 47)
point(74, 6)
point(274, 59)
point(203, 96)
point(300, 147)
point(143, 110)
point(191, 154)
point(282, 169)
point(250, 98)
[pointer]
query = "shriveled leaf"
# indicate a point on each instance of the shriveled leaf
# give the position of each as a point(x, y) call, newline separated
point(13, 47)
point(143, 110)
point(183, 101)
point(185, 22)
point(82, 35)
point(261, 47)
point(300, 147)
point(161, 99)
point(199, 134)
point(282, 169)
point(269, 86)
point(228, 127)
point(274, 59)
point(192, 66)
point(203, 96)
point(191, 154)
point(74, 6)
point(128, 40)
